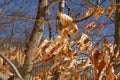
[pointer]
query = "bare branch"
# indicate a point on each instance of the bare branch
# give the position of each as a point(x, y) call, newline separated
point(68, 7)
point(85, 17)
point(92, 4)
point(51, 4)
point(12, 66)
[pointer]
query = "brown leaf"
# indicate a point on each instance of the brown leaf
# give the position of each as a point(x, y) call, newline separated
point(89, 11)
point(43, 43)
point(117, 56)
point(64, 33)
point(110, 74)
point(56, 63)
point(13, 54)
point(110, 9)
point(89, 27)
point(84, 44)
point(73, 29)
point(49, 75)
point(98, 12)
point(72, 64)
point(64, 19)
point(20, 58)
point(1, 62)
point(39, 76)
point(76, 76)
point(100, 28)
point(86, 77)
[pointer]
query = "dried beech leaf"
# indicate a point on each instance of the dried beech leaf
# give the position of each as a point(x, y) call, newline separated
point(49, 75)
point(6, 53)
point(20, 58)
point(96, 57)
point(89, 27)
point(58, 50)
point(110, 9)
point(76, 76)
point(13, 54)
point(86, 77)
point(23, 59)
point(89, 11)
point(83, 37)
point(111, 75)
point(64, 33)
point(64, 75)
point(98, 12)
point(84, 45)
point(48, 58)
point(100, 28)
point(101, 67)
point(58, 39)
point(55, 64)
point(39, 76)
point(107, 59)
point(1, 62)
point(6, 69)
point(49, 49)
point(84, 48)
point(38, 56)
point(117, 56)
point(18, 55)
point(43, 43)
point(64, 19)
point(72, 63)
point(73, 29)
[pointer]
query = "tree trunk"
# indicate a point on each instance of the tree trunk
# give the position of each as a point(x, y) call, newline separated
point(34, 41)
point(117, 27)
point(117, 34)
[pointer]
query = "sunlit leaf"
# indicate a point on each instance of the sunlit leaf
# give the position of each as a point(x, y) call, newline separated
point(73, 29)
point(99, 11)
point(89, 27)
point(89, 11)
point(64, 19)
point(111, 9)
point(111, 75)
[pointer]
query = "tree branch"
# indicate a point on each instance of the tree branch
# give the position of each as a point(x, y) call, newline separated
point(92, 4)
point(12, 66)
point(85, 17)
point(51, 4)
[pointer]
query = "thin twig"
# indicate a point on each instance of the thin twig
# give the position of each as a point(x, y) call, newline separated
point(12, 66)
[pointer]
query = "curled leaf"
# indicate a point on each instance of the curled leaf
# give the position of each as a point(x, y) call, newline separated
point(64, 19)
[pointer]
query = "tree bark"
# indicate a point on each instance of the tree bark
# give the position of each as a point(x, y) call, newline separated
point(34, 41)
point(117, 34)
point(117, 27)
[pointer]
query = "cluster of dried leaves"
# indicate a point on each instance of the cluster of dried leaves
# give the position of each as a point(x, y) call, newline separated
point(15, 54)
point(64, 57)
point(101, 11)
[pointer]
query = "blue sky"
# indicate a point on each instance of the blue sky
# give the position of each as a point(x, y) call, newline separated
point(28, 8)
